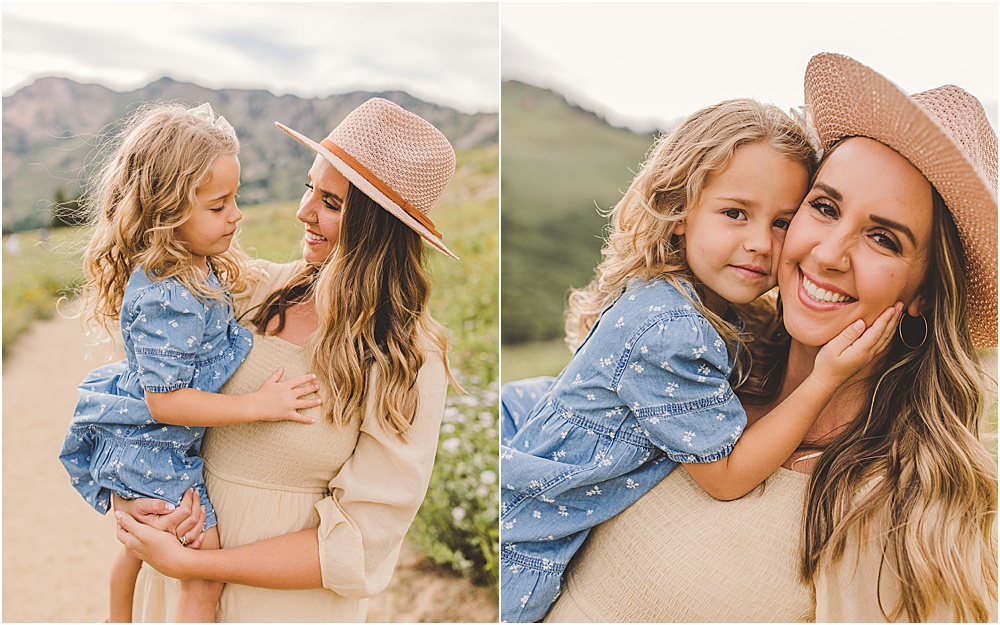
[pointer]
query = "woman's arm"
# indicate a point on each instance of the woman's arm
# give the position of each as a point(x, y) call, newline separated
point(767, 443)
point(286, 562)
point(274, 401)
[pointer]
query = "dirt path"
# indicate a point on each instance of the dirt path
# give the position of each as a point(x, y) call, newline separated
point(57, 551)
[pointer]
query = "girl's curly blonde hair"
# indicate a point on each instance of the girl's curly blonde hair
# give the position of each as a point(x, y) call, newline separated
point(641, 241)
point(144, 189)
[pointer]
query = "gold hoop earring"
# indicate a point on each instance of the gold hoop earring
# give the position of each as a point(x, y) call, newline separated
point(922, 339)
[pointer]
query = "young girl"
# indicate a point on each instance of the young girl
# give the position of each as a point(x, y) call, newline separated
point(700, 229)
point(159, 260)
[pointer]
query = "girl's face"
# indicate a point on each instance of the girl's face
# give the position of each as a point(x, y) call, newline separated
point(733, 237)
point(210, 228)
point(319, 210)
point(859, 243)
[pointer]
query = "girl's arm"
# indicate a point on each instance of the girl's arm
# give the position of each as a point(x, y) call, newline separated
point(766, 444)
point(274, 401)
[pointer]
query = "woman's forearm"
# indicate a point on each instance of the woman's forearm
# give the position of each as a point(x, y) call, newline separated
point(286, 562)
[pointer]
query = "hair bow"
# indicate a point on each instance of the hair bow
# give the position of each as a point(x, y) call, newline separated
point(205, 112)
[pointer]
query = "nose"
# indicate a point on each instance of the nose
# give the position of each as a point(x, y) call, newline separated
point(759, 240)
point(834, 252)
point(307, 209)
point(237, 213)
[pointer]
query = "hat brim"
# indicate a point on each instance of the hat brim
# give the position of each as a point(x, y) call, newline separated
point(368, 189)
point(849, 99)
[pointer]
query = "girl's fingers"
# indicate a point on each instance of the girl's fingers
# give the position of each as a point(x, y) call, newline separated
point(303, 380)
point(301, 418)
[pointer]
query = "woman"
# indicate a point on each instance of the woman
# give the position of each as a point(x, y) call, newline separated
point(309, 523)
point(887, 511)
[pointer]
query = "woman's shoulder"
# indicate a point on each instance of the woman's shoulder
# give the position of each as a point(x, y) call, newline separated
point(268, 277)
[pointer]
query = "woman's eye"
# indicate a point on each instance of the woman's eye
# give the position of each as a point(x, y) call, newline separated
point(309, 186)
point(782, 223)
point(733, 213)
point(885, 241)
point(823, 208)
point(333, 207)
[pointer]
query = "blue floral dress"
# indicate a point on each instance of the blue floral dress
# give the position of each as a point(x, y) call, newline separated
point(647, 389)
point(172, 341)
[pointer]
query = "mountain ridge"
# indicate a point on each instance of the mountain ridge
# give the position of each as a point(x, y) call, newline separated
point(51, 127)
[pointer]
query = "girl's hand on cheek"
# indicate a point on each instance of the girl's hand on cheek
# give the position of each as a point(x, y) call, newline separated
point(849, 352)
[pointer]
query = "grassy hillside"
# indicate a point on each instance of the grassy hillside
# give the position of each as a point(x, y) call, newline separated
point(560, 164)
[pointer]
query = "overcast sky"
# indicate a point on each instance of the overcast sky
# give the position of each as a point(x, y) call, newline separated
point(658, 62)
point(445, 53)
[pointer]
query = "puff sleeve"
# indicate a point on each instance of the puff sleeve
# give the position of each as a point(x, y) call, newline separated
point(674, 377)
point(167, 330)
point(375, 496)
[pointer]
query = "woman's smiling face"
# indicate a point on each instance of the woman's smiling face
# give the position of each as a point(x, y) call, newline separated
point(859, 243)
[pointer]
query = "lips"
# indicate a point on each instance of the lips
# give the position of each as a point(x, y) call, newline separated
point(751, 271)
point(825, 294)
point(312, 237)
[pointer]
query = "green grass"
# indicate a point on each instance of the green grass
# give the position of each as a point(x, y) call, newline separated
point(560, 165)
point(37, 276)
point(529, 360)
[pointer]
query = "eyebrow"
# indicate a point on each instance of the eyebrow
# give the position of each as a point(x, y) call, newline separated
point(895, 225)
point(737, 200)
point(829, 191)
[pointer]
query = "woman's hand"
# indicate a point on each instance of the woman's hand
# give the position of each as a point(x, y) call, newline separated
point(848, 352)
point(184, 521)
point(159, 549)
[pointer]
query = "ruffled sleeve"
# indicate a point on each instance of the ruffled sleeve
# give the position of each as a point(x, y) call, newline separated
point(376, 494)
point(675, 379)
point(167, 330)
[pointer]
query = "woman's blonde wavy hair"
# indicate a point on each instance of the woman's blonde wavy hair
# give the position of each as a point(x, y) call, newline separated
point(909, 472)
point(371, 298)
point(641, 242)
point(144, 189)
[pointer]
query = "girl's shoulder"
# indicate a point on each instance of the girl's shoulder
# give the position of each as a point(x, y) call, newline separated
point(657, 297)
point(142, 290)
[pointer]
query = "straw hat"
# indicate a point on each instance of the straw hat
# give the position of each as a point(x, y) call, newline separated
point(394, 157)
point(945, 134)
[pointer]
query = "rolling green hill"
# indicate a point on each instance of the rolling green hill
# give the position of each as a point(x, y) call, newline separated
point(559, 165)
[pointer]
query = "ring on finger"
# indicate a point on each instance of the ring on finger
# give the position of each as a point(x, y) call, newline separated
point(183, 539)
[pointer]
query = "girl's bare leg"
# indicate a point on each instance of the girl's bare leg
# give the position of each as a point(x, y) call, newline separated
point(124, 571)
point(199, 597)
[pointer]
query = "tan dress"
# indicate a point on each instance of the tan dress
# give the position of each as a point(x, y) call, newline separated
point(678, 555)
point(358, 485)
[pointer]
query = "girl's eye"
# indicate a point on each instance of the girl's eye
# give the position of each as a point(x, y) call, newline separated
point(734, 213)
point(219, 209)
point(309, 186)
point(782, 223)
point(823, 208)
point(886, 241)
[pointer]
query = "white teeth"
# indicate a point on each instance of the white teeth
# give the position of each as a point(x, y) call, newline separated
point(314, 237)
point(821, 295)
